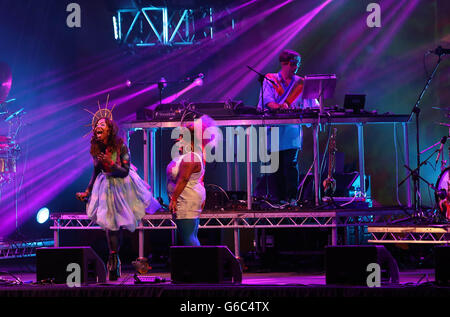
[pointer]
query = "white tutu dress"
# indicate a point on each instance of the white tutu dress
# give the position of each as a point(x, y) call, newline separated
point(119, 199)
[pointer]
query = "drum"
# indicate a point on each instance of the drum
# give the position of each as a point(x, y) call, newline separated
point(443, 193)
point(5, 144)
point(7, 165)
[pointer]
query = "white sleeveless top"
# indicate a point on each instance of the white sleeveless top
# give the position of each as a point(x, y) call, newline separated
point(192, 198)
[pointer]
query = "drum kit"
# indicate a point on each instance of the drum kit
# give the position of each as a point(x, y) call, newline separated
point(441, 212)
point(10, 123)
point(442, 186)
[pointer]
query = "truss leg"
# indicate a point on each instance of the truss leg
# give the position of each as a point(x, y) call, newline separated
point(334, 235)
point(362, 177)
point(56, 235)
point(406, 154)
point(237, 250)
point(316, 164)
point(141, 241)
point(249, 169)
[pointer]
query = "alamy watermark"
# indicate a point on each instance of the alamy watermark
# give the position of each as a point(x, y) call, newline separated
point(374, 278)
point(74, 277)
point(73, 20)
point(373, 20)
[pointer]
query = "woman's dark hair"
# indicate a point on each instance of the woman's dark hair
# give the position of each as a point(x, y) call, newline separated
point(114, 141)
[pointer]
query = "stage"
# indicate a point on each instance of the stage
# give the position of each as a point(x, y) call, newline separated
point(315, 176)
point(255, 285)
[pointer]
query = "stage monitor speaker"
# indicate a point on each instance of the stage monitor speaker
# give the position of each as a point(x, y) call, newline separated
point(204, 264)
point(348, 264)
point(52, 264)
point(442, 265)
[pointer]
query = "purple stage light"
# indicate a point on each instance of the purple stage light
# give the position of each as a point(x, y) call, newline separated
point(260, 55)
point(390, 29)
point(196, 83)
point(121, 100)
point(361, 35)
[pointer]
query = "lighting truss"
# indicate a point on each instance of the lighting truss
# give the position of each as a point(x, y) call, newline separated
point(237, 220)
point(247, 219)
point(432, 234)
point(22, 249)
point(152, 26)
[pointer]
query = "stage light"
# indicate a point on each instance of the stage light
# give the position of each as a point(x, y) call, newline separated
point(198, 82)
point(42, 215)
point(116, 33)
point(163, 82)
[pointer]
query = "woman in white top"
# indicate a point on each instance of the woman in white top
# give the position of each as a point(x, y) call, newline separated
point(185, 184)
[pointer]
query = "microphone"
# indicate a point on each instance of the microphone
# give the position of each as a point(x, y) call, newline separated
point(15, 114)
point(162, 82)
point(439, 51)
point(443, 140)
point(192, 79)
point(10, 100)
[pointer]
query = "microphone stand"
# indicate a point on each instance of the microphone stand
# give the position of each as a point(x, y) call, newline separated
point(416, 179)
point(416, 111)
point(161, 85)
point(261, 78)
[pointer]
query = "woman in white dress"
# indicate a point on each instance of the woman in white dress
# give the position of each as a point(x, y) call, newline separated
point(185, 185)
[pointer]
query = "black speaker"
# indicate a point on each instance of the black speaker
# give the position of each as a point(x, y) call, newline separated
point(204, 264)
point(442, 265)
point(52, 263)
point(348, 264)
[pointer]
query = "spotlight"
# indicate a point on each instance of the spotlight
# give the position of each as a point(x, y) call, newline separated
point(128, 83)
point(42, 215)
point(198, 82)
point(163, 82)
point(116, 32)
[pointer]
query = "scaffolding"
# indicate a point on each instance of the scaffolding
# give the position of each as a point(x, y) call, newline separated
point(22, 249)
point(161, 26)
point(236, 220)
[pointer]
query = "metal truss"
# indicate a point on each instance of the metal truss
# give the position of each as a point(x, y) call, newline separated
point(436, 234)
point(22, 249)
point(246, 219)
point(236, 220)
point(151, 26)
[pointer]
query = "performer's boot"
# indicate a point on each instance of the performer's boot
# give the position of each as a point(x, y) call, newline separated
point(113, 266)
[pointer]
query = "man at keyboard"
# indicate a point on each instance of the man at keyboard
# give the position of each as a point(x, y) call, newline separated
point(283, 91)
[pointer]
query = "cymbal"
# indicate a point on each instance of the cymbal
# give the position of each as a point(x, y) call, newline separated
point(445, 124)
point(14, 114)
point(5, 81)
point(442, 108)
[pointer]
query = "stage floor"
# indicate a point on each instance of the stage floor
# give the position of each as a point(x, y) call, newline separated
point(415, 281)
point(407, 278)
point(273, 292)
